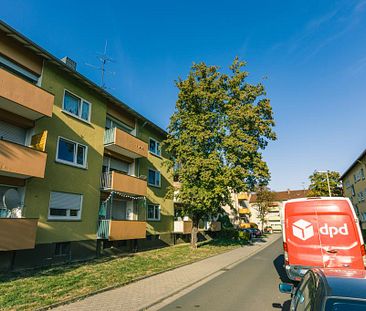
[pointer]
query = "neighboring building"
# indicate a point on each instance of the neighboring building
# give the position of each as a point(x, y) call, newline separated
point(239, 213)
point(81, 170)
point(354, 186)
point(273, 218)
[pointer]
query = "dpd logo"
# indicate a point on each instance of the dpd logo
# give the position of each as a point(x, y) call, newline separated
point(302, 229)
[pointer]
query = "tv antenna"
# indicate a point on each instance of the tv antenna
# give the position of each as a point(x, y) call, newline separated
point(104, 60)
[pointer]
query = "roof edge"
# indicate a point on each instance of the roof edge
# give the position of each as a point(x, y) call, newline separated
point(47, 55)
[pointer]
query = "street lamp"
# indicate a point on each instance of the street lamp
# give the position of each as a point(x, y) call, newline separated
point(327, 173)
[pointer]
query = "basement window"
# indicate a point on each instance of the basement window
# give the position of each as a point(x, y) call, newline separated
point(62, 249)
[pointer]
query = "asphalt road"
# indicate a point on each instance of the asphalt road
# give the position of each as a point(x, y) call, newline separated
point(251, 285)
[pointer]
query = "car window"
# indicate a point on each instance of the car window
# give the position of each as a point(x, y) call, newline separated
point(304, 296)
point(339, 304)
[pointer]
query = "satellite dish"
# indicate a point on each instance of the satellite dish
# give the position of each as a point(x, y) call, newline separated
point(11, 199)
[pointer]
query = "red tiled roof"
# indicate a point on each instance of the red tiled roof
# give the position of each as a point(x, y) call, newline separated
point(283, 195)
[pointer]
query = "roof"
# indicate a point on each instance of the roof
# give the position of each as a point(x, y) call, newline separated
point(27, 43)
point(283, 195)
point(344, 282)
point(353, 164)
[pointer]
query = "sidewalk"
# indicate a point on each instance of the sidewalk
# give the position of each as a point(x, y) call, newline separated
point(147, 292)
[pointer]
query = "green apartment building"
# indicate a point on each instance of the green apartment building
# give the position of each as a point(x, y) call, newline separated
point(81, 173)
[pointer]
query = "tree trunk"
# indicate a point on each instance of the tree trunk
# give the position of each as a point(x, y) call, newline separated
point(194, 233)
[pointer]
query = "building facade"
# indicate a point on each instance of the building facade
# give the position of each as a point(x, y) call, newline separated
point(273, 218)
point(354, 186)
point(81, 173)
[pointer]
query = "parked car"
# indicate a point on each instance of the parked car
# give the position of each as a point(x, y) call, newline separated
point(256, 232)
point(329, 290)
point(321, 232)
point(268, 229)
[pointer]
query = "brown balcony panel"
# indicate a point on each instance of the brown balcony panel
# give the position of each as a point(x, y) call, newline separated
point(23, 98)
point(181, 226)
point(128, 184)
point(21, 161)
point(17, 233)
point(127, 145)
point(215, 226)
point(127, 230)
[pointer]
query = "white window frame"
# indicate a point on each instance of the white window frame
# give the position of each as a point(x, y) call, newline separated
point(157, 150)
point(67, 217)
point(82, 100)
point(154, 185)
point(156, 206)
point(75, 153)
point(120, 124)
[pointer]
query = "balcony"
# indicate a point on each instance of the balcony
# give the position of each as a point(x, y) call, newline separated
point(123, 183)
point(244, 211)
point(17, 233)
point(212, 226)
point(21, 161)
point(115, 230)
point(23, 98)
point(183, 226)
point(123, 143)
point(243, 196)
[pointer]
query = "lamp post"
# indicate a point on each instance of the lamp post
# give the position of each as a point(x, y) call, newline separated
point(327, 174)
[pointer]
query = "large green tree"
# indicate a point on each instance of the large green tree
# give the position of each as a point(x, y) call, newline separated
point(216, 134)
point(319, 182)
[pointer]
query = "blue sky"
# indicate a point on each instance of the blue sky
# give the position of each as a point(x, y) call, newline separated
point(313, 54)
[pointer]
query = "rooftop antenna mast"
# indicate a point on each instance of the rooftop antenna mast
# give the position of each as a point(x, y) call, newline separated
point(104, 60)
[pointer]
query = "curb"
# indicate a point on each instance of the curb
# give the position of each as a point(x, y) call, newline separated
point(229, 266)
point(72, 300)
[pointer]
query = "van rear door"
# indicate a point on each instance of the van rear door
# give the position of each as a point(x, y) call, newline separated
point(340, 241)
point(302, 234)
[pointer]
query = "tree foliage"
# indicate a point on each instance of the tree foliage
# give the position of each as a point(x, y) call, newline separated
point(215, 136)
point(319, 184)
point(264, 201)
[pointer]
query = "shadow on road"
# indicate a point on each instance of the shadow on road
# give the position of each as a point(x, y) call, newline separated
point(279, 266)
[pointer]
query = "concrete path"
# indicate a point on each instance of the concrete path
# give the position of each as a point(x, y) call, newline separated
point(145, 293)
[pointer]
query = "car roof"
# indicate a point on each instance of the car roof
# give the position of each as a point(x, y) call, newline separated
point(344, 282)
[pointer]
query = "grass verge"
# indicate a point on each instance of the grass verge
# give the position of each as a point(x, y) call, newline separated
point(29, 290)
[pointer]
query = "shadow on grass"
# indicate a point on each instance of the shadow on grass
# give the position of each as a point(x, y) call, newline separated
point(55, 270)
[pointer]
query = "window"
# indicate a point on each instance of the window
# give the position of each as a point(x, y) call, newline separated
point(70, 152)
point(153, 212)
point(111, 123)
point(154, 147)
point(65, 206)
point(353, 190)
point(362, 173)
point(62, 249)
point(154, 178)
point(76, 106)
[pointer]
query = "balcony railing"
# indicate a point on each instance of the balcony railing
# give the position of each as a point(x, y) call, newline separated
point(115, 230)
point(124, 143)
point(212, 226)
point(21, 161)
point(183, 226)
point(23, 98)
point(17, 233)
point(123, 183)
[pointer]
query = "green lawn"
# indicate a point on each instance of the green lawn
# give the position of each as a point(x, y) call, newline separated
point(39, 288)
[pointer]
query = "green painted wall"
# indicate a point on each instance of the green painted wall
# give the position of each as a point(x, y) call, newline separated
point(65, 178)
point(156, 195)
